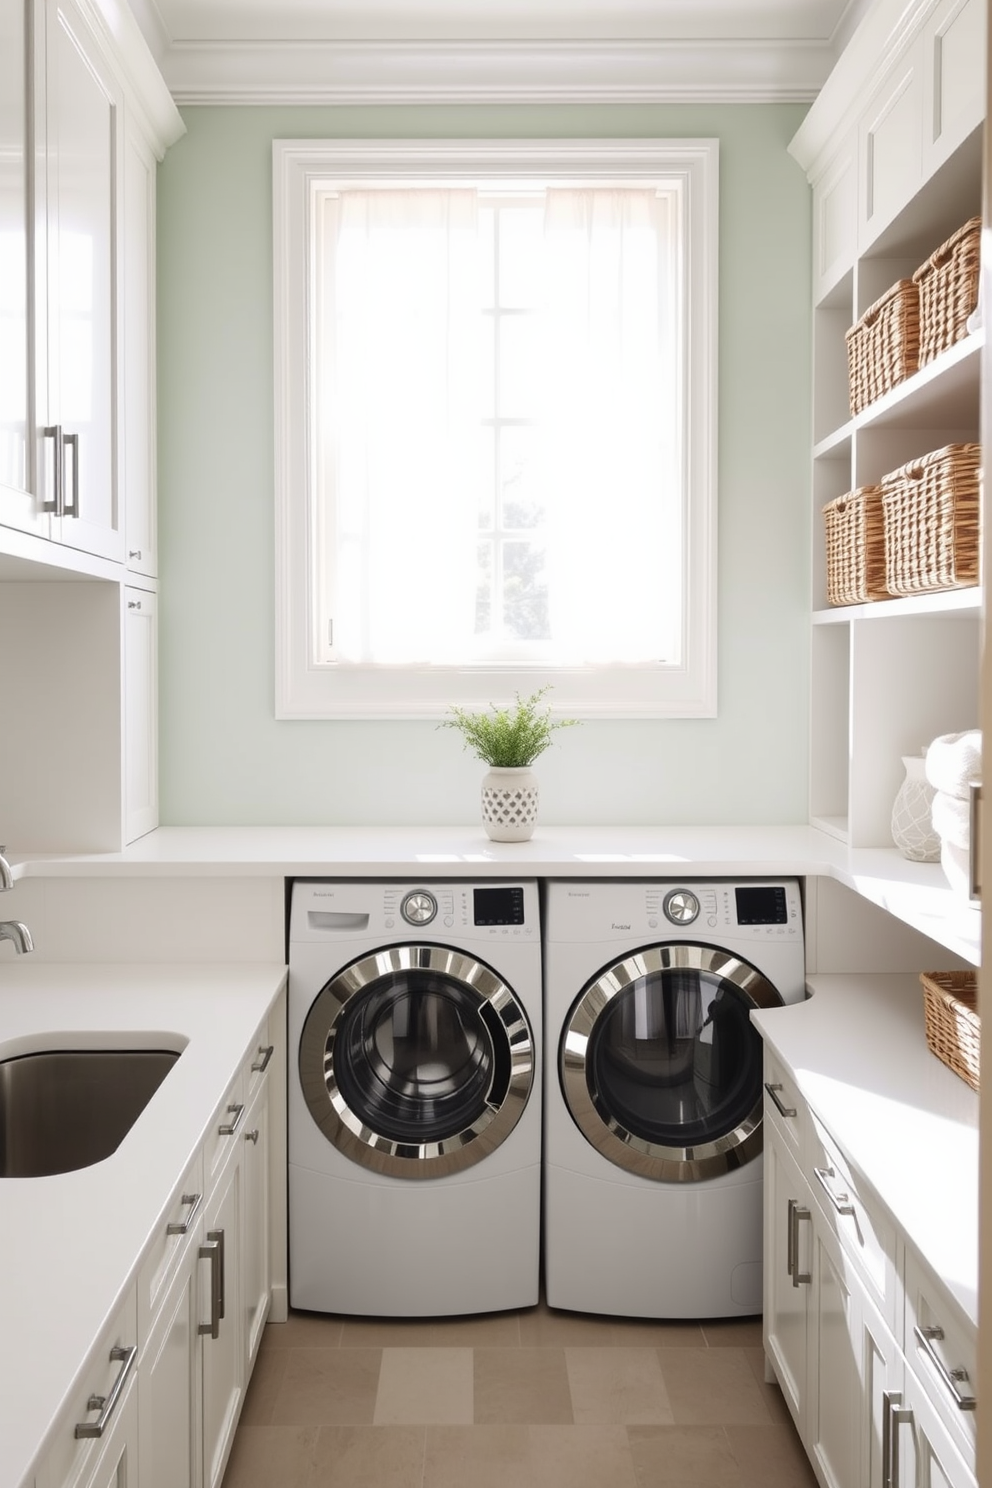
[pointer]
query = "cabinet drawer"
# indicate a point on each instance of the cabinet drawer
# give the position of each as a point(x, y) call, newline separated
point(941, 1346)
point(857, 1219)
point(225, 1131)
point(785, 1110)
point(109, 1374)
point(179, 1227)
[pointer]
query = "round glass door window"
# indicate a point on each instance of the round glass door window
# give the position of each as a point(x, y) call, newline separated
point(416, 1061)
point(660, 1065)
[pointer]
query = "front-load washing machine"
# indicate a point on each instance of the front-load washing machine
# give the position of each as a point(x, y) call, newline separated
point(415, 1017)
point(653, 1095)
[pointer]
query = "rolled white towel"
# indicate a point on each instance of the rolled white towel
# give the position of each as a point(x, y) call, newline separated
point(953, 760)
point(954, 861)
point(951, 819)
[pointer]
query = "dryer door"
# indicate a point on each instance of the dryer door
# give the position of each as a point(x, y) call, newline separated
point(416, 1061)
point(660, 1066)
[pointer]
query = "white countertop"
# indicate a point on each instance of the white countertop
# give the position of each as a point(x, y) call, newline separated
point(916, 893)
point(70, 1244)
point(903, 1119)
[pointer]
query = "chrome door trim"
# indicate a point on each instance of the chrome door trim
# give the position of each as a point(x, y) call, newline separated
point(346, 1131)
point(623, 1148)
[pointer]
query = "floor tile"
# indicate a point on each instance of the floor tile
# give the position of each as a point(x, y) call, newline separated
point(528, 1457)
point(675, 1455)
point(522, 1386)
point(770, 1457)
point(732, 1332)
point(387, 1332)
point(488, 1329)
point(712, 1387)
point(267, 1376)
point(613, 1385)
point(425, 1386)
point(771, 1392)
point(304, 1330)
point(328, 1387)
point(264, 1455)
point(655, 1332)
point(541, 1326)
point(367, 1457)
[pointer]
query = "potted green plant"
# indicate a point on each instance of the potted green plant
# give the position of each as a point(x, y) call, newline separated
point(509, 740)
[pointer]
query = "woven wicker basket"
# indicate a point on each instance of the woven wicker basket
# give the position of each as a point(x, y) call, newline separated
point(883, 348)
point(855, 547)
point(932, 521)
point(948, 290)
point(953, 1027)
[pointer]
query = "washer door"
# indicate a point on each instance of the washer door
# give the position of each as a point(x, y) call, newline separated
point(660, 1065)
point(416, 1061)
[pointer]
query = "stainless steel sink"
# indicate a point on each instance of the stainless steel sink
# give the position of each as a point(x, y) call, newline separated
point(66, 1109)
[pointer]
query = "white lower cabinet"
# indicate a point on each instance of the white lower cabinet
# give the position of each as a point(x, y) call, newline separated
point(95, 1443)
point(843, 1298)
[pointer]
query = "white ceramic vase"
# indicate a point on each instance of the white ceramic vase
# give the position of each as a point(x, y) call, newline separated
point(912, 828)
point(509, 803)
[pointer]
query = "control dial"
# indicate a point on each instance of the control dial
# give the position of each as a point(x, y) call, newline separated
point(419, 908)
point(681, 907)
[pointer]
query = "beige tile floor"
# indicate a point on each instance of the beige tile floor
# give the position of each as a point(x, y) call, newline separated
point(533, 1399)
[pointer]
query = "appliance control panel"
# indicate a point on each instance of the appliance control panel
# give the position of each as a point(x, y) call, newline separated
point(492, 911)
point(708, 910)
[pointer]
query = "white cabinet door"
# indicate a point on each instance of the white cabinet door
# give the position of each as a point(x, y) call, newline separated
point(882, 1374)
point(787, 1262)
point(116, 1464)
point(140, 713)
point(220, 1313)
point(137, 385)
point(256, 1222)
point(954, 78)
point(834, 1404)
point(77, 413)
point(890, 149)
point(18, 507)
point(169, 1386)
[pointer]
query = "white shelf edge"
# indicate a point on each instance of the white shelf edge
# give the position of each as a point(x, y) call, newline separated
point(943, 602)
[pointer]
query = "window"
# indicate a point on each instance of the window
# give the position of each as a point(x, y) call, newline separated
point(495, 426)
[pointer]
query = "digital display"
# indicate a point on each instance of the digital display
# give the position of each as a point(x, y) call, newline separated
point(499, 906)
point(762, 904)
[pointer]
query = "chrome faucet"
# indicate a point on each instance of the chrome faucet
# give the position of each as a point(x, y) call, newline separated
point(19, 933)
point(6, 877)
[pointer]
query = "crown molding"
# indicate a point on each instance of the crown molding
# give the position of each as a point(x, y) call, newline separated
point(148, 96)
point(580, 72)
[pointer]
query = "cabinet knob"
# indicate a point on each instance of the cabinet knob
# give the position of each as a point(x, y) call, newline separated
point(134, 552)
point(134, 604)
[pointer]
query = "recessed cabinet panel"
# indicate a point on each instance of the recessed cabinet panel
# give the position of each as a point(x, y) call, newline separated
point(954, 52)
point(835, 201)
point(891, 149)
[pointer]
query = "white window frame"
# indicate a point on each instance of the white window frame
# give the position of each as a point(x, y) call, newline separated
point(308, 689)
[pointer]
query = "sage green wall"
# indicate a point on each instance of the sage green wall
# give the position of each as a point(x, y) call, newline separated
point(224, 757)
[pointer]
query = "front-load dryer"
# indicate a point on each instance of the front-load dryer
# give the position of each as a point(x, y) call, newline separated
point(415, 1018)
point(653, 1093)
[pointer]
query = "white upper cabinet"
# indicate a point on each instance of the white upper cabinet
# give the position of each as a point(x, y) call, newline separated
point(79, 139)
point(17, 506)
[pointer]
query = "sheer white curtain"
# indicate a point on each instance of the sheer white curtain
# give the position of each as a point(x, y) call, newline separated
point(610, 420)
point(398, 364)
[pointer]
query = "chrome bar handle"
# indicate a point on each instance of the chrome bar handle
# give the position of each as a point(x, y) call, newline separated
point(841, 1202)
point(230, 1127)
point(54, 432)
point(71, 508)
point(211, 1251)
point(952, 1378)
point(797, 1212)
point(894, 1415)
point(181, 1227)
point(974, 846)
point(780, 1108)
point(262, 1064)
point(107, 1404)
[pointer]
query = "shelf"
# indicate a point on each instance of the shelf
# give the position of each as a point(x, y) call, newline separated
point(945, 602)
point(916, 893)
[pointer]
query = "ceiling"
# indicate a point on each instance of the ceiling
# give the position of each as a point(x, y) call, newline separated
point(495, 50)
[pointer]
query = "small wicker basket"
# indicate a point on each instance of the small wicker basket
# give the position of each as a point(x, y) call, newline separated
point(883, 348)
point(953, 1026)
point(855, 547)
point(948, 290)
point(932, 521)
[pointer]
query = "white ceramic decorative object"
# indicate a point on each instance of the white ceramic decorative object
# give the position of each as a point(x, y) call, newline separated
point(509, 803)
point(912, 827)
